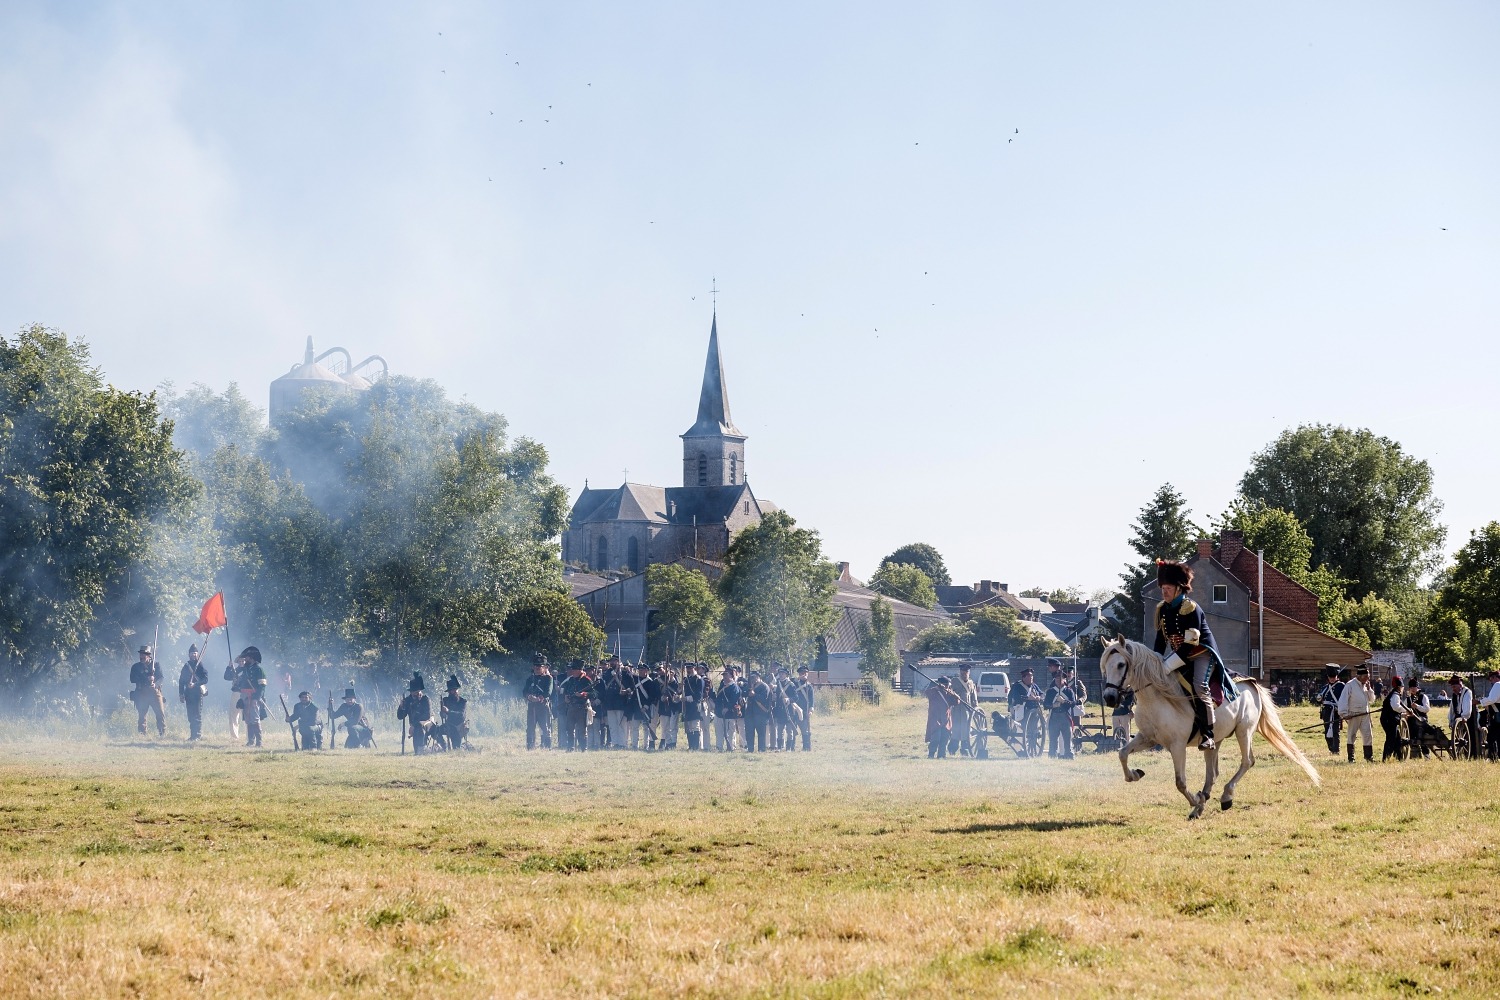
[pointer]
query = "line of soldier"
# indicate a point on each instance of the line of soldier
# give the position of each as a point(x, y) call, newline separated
point(954, 716)
point(617, 706)
point(1348, 699)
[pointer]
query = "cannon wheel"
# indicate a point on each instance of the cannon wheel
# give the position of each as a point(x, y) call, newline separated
point(1462, 747)
point(1403, 739)
point(1032, 737)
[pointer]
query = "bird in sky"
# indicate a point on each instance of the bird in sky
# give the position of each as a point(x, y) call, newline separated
point(1018, 131)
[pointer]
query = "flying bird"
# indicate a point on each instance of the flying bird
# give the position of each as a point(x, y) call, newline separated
point(1018, 131)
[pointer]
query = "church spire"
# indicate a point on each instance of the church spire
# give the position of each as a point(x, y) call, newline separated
point(713, 400)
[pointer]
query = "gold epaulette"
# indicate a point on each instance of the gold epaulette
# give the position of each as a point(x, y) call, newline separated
point(1188, 607)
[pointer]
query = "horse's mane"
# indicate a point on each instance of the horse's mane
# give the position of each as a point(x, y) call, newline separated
point(1149, 669)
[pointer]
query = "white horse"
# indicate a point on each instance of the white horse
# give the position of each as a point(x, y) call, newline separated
point(1164, 715)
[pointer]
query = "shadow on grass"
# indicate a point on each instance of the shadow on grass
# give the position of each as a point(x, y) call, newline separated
point(1033, 826)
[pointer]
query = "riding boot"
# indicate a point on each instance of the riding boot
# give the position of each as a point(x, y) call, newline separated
point(1369, 753)
point(1205, 716)
point(1351, 753)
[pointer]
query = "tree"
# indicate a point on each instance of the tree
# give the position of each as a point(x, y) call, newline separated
point(990, 631)
point(1057, 595)
point(877, 642)
point(1472, 588)
point(204, 421)
point(87, 474)
point(777, 590)
point(1367, 506)
point(925, 558)
point(1288, 547)
point(1162, 530)
point(687, 611)
point(904, 582)
point(553, 624)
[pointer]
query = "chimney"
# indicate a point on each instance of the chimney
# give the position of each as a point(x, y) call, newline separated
point(1005, 588)
point(1231, 543)
point(843, 569)
point(1205, 548)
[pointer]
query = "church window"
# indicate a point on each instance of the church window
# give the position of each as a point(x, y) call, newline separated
point(603, 561)
point(734, 468)
point(633, 555)
point(702, 470)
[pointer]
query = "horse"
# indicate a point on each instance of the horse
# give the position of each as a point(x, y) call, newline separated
point(1164, 715)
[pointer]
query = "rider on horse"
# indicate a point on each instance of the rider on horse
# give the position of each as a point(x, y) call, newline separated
point(1182, 628)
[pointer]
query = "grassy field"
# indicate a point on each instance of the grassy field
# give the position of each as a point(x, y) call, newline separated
point(137, 868)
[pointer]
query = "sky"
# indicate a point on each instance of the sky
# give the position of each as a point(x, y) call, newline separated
point(989, 273)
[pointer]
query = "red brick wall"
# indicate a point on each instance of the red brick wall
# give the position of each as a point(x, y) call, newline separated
point(1282, 593)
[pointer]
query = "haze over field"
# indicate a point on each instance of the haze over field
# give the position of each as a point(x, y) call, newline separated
point(971, 257)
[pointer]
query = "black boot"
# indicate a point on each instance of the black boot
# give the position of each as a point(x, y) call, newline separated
point(1351, 753)
point(1369, 753)
point(1203, 712)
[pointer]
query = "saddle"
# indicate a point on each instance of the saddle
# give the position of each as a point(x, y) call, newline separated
point(1215, 686)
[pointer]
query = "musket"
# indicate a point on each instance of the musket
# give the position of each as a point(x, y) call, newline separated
point(333, 725)
point(403, 736)
point(289, 724)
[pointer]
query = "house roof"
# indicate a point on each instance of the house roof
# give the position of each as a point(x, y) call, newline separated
point(583, 583)
point(1291, 644)
point(854, 603)
point(954, 597)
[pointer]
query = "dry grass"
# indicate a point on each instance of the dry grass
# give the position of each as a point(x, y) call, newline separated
point(132, 869)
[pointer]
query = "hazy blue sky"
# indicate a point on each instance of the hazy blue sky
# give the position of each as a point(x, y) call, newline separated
point(1215, 222)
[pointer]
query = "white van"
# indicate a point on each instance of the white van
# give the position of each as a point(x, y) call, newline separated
point(993, 683)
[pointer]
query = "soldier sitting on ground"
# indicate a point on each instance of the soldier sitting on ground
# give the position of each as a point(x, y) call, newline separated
point(455, 713)
point(416, 709)
point(304, 715)
point(356, 729)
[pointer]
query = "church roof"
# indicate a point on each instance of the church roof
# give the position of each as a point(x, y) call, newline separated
point(713, 399)
point(664, 505)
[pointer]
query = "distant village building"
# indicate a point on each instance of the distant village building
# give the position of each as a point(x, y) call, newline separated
point(839, 658)
point(1226, 581)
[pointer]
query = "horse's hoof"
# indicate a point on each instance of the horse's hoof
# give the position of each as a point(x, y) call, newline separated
point(1139, 774)
point(1226, 805)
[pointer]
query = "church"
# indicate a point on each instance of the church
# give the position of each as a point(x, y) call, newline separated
point(623, 530)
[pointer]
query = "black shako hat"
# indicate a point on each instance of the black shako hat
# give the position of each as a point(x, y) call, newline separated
point(1175, 573)
point(452, 682)
point(416, 683)
point(349, 694)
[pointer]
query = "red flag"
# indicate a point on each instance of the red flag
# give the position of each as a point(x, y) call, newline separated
point(212, 616)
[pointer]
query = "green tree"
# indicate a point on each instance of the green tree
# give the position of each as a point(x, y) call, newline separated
point(553, 624)
point(1057, 595)
point(877, 642)
point(89, 482)
point(687, 611)
point(925, 558)
point(1288, 547)
point(204, 421)
point(1367, 505)
point(904, 582)
point(1162, 530)
point(777, 590)
point(1472, 587)
point(990, 631)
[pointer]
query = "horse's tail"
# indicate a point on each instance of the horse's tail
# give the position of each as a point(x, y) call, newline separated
point(1275, 733)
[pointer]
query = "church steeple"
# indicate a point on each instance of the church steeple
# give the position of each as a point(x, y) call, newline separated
point(713, 448)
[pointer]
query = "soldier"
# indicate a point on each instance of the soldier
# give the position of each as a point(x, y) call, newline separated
point(455, 715)
point(146, 675)
point(695, 695)
point(232, 674)
point(648, 700)
point(612, 700)
point(1354, 707)
point(538, 695)
point(251, 680)
point(963, 713)
point(729, 703)
point(1328, 698)
point(192, 686)
point(304, 715)
point(356, 728)
point(576, 691)
point(802, 697)
point(632, 708)
point(782, 733)
point(757, 714)
point(940, 702)
point(668, 708)
point(416, 709)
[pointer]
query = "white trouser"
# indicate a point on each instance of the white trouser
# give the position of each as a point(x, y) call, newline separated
point(234, 722)
point(633, 733)
point(666, 729)
point(1359, 725)
point(726, 729)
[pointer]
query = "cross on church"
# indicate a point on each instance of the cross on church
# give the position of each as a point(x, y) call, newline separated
point(714, 291)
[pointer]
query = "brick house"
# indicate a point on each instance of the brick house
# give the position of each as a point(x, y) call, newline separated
point(1226, 581)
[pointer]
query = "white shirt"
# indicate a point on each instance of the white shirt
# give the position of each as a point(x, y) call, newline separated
point(1355, 699)
point(1461, 707)
point(1493, 698)
point(1418, 703)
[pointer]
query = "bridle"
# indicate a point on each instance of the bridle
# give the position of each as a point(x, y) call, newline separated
point(1124, 673)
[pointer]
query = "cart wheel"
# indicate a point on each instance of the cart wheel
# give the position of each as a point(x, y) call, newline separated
point(1403, 739)
point(1032, 737)
point(1460, 746)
